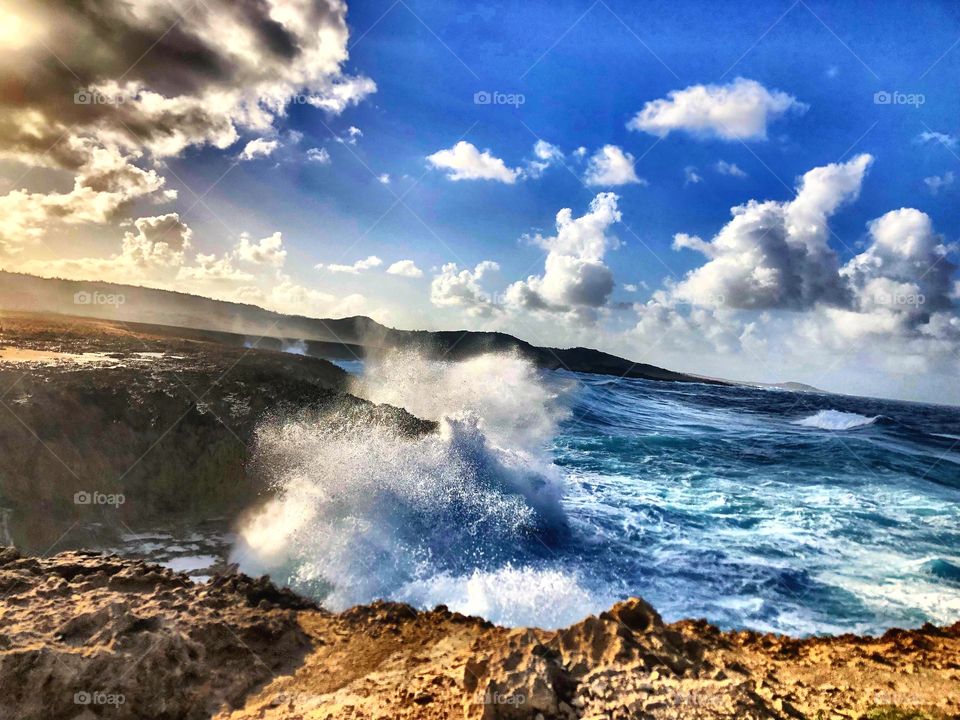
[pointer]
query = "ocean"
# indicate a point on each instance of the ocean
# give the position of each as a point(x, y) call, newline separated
point(545, 497)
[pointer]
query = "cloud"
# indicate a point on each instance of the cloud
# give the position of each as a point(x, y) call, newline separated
point(936, 183)
point(358, 267)
point(153, 250)
point(545, 154)
point(405, 268)
point(383, 178)
point(904, 309)
point(105, 186)
point(465, 162)
point(775, 254)
point(258, 148)
point(951, 141)
point(772, 293)
point(739, 110)
point(212, 275)
point(267, 251)
point(691, 176)
point(453, 287)
point(905, 250)
point(575, 278)
point(731, 169)
point(161, 82)
point(350, 138)
point(168, 81)
point(546, 151)
point(318, 155)
point(611, 166)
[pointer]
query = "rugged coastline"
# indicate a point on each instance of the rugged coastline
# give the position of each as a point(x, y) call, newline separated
point(88, 635)
point(167, 419)
point(155, 425)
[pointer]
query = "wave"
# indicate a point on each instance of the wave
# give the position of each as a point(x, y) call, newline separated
point(837, 420)
point(365, 511)
point(511, 596)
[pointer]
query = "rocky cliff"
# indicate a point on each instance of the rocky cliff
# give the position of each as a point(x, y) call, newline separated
point(107, 421)
point(88, 636)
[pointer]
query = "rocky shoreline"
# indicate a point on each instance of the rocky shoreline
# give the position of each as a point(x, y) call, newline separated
point(86, 635)
point(104, 422)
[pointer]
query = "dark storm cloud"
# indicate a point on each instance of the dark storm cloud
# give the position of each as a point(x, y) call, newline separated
point(160, 75)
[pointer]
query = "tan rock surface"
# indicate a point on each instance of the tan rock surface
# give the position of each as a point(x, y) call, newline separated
point(238, 648)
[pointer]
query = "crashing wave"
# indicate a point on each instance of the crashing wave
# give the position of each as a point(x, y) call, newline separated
point(836, 420)
point(364, 510)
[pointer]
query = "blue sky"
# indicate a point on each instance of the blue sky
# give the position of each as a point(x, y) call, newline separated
point(585, 89)
point(583, 71)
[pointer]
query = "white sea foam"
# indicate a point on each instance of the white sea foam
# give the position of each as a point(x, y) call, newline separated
point(511, 596)
point(363, 511)
point(836, 420)
point(513, 405)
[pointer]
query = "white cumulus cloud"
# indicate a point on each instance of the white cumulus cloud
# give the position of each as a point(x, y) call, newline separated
point(936, 183)
point(725, 168)
point(260, 147)
point(358, 267)
point(740, 110)
point(610, 166)
point(454, 287)
point(318, 155)
point(575, 279)
point(775, 254)
point(267, 251)
point(405, 268)
point(465, 162)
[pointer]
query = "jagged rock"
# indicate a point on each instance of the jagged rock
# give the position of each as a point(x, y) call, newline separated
point(84, 635)
point(133, 639)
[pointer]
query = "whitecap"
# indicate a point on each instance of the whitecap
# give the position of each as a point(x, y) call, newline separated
point(836, 420)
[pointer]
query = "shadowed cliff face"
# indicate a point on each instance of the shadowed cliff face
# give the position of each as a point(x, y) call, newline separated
point(102, 423)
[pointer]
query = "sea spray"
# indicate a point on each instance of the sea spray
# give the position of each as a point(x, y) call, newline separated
point(517, 407)
point(294, 347)
point(365, 511)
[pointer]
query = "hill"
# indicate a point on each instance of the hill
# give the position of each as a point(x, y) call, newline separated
point(348, 338)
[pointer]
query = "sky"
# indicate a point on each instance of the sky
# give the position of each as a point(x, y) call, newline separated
point(755, 191)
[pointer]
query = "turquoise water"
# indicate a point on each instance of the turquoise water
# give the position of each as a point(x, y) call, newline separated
point(749, 508)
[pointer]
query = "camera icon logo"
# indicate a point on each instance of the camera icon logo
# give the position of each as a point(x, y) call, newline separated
point(482, 97)
point(82, 298)
point(82, 497)
point(83, 97)
point(82, 698)
point(882, 97)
